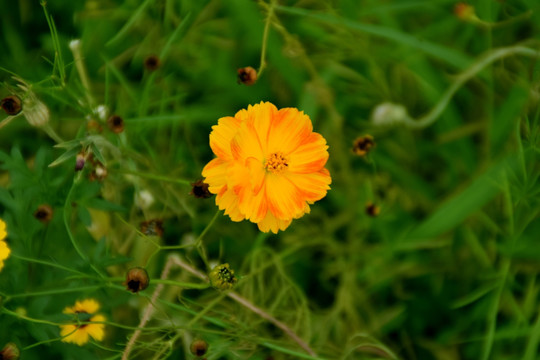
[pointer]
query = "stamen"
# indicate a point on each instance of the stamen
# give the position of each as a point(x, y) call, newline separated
point(276, 163)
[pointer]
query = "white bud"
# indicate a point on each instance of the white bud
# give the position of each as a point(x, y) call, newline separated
point(389, 114)
point(75, 45)
point(144, 199)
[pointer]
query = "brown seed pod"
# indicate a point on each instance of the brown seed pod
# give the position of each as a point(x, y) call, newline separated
point(363, 145)
point(152, 63)
point(44, 213)
point(200, 190)
point(247, 75)
point(137, 279)
point(116, 124)
point(372, 209)
point(198, 347)
point(12, 105)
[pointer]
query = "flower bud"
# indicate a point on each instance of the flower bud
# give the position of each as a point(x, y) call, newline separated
point(99, 173)
point(200, 190)
point(116, 124)
point(198, 347)
point(10, 352)
point(465, 12)
point(12, 105)
point(372, 209)
point(44, 213)
point(152, 63)
point(137, 279)
point(247, 76)
point(363, 145)
point(222, 277)
point(389, 114)
point(79, 161)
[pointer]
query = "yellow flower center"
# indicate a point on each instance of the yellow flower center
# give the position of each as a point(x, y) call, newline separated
point(276, 163)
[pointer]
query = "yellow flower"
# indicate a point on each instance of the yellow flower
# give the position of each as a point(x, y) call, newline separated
point(79, 333)
point(4, 249)
point(269, 166)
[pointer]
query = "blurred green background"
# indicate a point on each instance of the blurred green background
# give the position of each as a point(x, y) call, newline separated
point(447, 270)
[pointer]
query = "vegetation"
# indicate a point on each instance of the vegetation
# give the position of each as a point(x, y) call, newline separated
point(425, 247)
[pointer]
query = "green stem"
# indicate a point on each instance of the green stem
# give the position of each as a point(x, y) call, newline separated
point(199, 244)
point(156, 177)
point(269, 16)
point(474, 69)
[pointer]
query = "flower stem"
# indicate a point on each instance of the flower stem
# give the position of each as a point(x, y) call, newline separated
point(465, 76)
point(247, 304)
point(269, 15)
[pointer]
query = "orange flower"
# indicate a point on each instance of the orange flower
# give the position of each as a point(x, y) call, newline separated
point(269, 166)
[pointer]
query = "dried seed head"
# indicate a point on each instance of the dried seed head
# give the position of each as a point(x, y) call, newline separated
point(222, 277)
point(152, 63)
point(44, 213)
point(372, 209)
point(200, 190)
point(12, 105)
point(198, 347)
point(152, 227)
point(116, 124)
point(247, 76)
point(363, 145)
point(137, 279)
point(10, 352)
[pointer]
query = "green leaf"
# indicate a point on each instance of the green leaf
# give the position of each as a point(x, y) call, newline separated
point(65, 156)
point(452, 56)
point(462, 204)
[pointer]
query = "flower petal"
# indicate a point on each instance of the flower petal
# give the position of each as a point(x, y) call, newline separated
point(221, 136)
point(290, 128)
point(271, 223)
point(227, 200)
point(215, 174)
point(72, 334)
point(97, 331)
point(285, 200)
point(310, 156)
point(246, 144)
point(312, 186)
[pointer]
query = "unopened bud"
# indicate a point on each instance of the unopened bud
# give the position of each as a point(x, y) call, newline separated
point(222, 277)
point(200, 190)
point(389, 114)
point(10, 352)
point(247, 76)
point(12, 105)
point(465, 12)
point(198, 347)
point(44, 213)
point(372, 209)
point(137, 279)
point(363, 145)
point(79, 162)
point(99, 173)
point(152, 63)
point(116, 124)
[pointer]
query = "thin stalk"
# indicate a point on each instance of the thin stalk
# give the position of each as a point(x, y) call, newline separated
point(269, 16)
point(465, 76)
